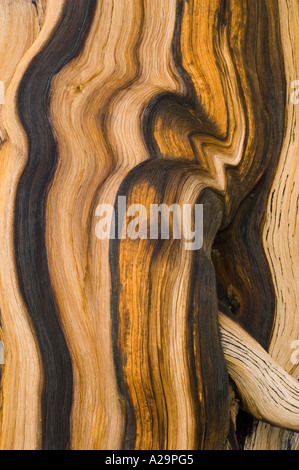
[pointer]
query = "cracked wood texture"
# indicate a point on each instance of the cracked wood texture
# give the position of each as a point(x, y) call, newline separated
point(137, 343)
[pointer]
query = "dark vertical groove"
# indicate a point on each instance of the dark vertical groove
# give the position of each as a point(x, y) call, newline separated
point(240, 243)
point(208, 366)
point(29, 227)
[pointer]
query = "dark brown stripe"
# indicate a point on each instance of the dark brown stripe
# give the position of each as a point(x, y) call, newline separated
point(29, 228)
point(242, 262)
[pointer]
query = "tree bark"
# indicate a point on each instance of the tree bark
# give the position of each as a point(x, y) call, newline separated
point(133, 341)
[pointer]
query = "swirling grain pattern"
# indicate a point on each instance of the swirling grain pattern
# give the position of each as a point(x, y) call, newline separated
point(134, 341)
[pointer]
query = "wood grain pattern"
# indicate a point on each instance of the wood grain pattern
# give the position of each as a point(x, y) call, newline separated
point(138, 343)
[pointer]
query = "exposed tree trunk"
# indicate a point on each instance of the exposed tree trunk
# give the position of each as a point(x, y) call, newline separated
point(142, 342)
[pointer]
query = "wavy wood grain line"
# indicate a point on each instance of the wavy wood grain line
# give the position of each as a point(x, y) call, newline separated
point(105, 139)
point(139, 343)
point(22, 377)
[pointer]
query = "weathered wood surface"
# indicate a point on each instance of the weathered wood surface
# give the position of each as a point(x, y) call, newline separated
point(140, 343)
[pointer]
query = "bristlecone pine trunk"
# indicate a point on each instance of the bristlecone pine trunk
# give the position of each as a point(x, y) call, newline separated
point(135, 342)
